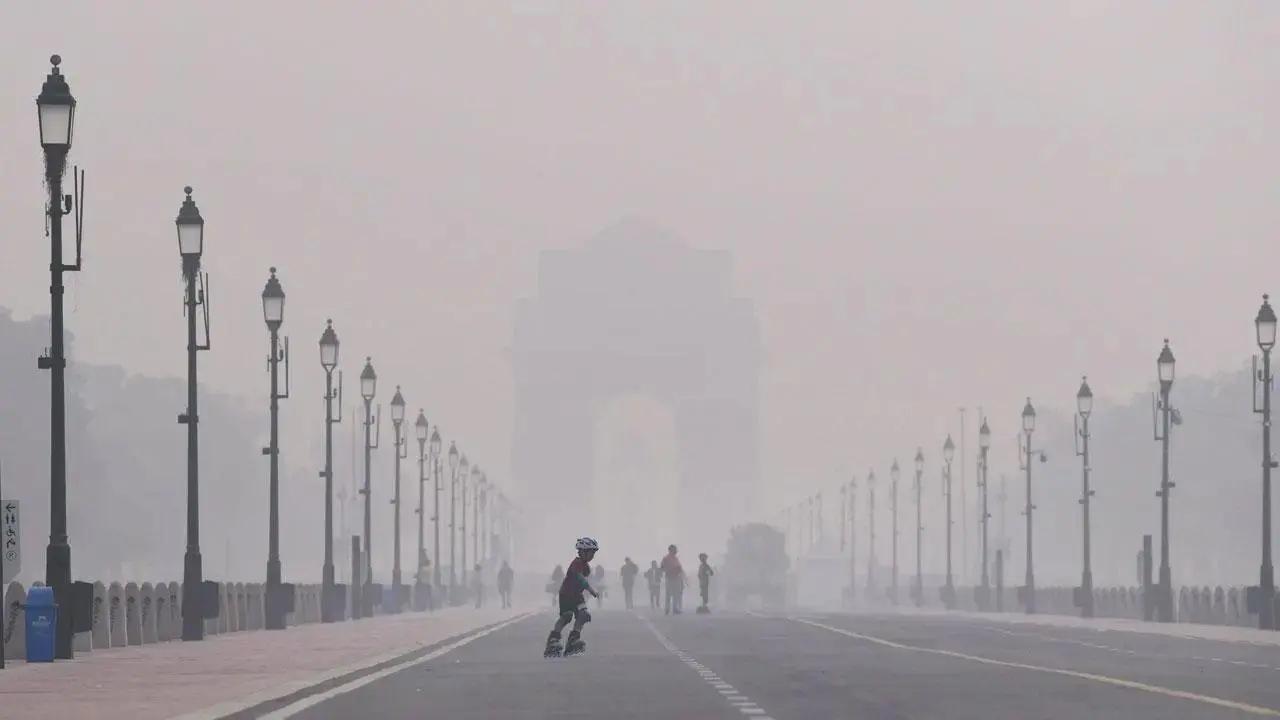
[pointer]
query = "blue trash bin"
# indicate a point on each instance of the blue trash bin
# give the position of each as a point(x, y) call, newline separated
point(42, 623)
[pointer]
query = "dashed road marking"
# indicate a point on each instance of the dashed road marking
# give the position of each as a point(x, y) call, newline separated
point(736, 699)
point(1105, 679)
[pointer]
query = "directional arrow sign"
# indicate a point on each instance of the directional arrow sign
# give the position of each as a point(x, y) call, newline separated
point(10, 539)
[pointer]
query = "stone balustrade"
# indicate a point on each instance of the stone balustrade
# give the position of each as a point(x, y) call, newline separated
point(146, 613)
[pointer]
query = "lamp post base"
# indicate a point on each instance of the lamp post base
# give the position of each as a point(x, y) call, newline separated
point(396, 592)
point(328, 611)
point(192, 597)
point(274, 606)
point(1086, 595)
point(1165, 613)
point(58, 576)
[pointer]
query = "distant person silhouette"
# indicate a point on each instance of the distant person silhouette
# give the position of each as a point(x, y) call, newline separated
point(628, 575)
point(653, 576)
point(553, 587)
point(673, 572)
point(506, 577)
point(704, 581)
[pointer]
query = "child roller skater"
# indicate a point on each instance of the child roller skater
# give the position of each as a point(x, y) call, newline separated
point(573, 604)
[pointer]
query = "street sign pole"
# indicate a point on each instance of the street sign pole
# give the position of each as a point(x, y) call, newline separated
point(11, 537)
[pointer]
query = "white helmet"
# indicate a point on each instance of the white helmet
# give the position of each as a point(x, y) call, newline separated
point(586, 543)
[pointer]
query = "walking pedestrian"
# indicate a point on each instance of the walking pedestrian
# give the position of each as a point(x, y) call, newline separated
point(704, 582)
point(553, 587)
point(653, 576)
point(628, 575)
point(506, 577)
point(673, 573)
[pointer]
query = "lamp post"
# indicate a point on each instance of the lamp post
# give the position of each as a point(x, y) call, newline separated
point(400, 449)
point(871, 555)
point(273, 314)
point(191, 247)
point(476, 478)
point(894, 474)
point(821, 527)
point(843, 515)
point(453, 502)
point(948, 454)
point(918, 591)
point(421, 430)
point(480, 532)
point(1164, 370)
point(1084, 408)
point(1028, 427)
point(462, 527)
point(1265, 327)
point(57, 109)
point(853, 545)
point(813, 528)
point(984, 444)
point(368, 390)
point(329, 361)
point(435, 512)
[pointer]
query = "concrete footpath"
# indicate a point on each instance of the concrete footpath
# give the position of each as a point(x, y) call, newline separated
point(224, 673)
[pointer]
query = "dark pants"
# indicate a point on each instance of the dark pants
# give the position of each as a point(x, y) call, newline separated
point(675, 593)
point(627, 588)
point(655, 596)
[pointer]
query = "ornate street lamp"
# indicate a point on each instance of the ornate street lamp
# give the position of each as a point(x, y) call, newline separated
point(478, 500)
point(1265, 329)
point(273, 313)
point(853, 554)
point(372, 436)
point(330, 606)
point(1084, 408)
point(894, 474)
point(190, 227)
point(1165, 372)
point(422, 433)
point(453, 519)
point(871, 515)
point(474, 476)
point(435, 512)
point(57, 109)
point(984, 445)
point(918, 590)
point(1028, 427)
point(400, 450)
point(948, 454)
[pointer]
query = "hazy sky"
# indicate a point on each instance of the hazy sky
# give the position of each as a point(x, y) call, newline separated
point(931, 204)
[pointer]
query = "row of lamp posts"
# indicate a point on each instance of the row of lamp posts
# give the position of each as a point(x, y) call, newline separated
point(1265, 326)
point(56, 113)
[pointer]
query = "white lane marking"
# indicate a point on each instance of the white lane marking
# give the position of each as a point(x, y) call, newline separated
point(727, 691)
point(292, 709)
point(1124, 651)
point(1105, 679)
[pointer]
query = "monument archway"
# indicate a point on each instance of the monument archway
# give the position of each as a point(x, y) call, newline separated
point(635, 311)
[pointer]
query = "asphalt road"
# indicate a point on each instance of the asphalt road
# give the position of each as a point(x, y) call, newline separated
point(812, 666)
